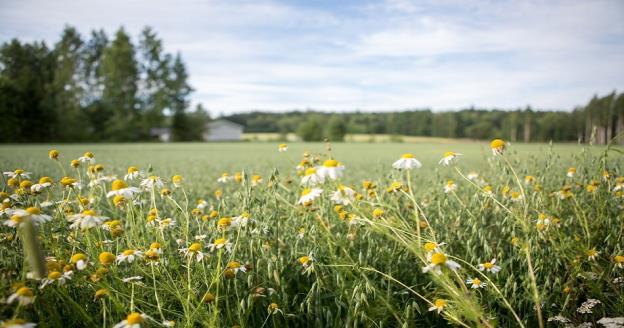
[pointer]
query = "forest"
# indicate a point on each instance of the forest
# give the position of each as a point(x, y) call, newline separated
point(109, 89)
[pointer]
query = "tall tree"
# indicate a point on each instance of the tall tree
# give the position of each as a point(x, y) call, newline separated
point(119, 71)
point(154, 76)
point(179, 91)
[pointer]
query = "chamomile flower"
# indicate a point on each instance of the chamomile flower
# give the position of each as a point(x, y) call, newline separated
point(529, 179)
point(437, 261)
point(88, 157)
point(133, 320)
point(224, 178)
point(449, 158)
point(17, 174)
point(571, 172)
point(592, 254)
point(18, 216)
point(56, 277)
point(472, 176)
point(450, 186)
point(129, 255)
point(475, 283)
point(235, 267)
point(177, 180)
point(282, 148)
point(44, 182)
point(166, 223)
point(132, 173)
point(256, 180)
point(331, 168)
point(619, 261)
point(344, 195)
point(22, 295)
point(311, 177)
point(497, 146)
point(431, 247)
point(220, 243)
point(306, 261)
point(308, 195)
point(193, 251)
point(106, 258)
point(489, 266)
point(152, 182)
point(79, 260)
point(120, 188)
point(241, 220)
point(86, 220)
point(407, 162)
point(17, 323)
point(438, 305)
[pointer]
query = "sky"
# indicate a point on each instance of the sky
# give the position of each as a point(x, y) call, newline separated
point(364, 55)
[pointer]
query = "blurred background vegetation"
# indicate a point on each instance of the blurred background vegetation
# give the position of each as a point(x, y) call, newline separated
point(101, 88)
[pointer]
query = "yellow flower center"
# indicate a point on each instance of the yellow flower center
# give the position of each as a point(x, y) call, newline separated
point(66, 181)
point(304, 260)
point(89, 213)
point(19, 171)
point(592, 252)
point(195, 247)
point(497, 144)
point(233, 265)
point(430, 247)
point(310, 171)
point(118, 185)
point(106, 258)
point(53, 154)
point(155, 245)
point(488, 265)
point(33, 211)
point(220, 241)
point(45, 180)
point(128, 252)
point(476, 281)
point(224, 222)
point(449, 154)
point(407, 155)
point(78, 257)
point(306, 191)
point(619, 259)
point(54, 275)
point(132, 169)
point(134, 318)
point(330, 163)
point(24, 291)
point(438, 259)
point(101, 293)
point(439, 303)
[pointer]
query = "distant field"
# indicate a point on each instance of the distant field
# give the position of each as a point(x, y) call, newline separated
point(356, 138)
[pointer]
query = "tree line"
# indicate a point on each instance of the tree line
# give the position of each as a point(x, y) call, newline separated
point(95, 89)
point(600, 120)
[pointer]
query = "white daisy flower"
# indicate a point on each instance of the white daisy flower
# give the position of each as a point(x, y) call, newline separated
point(407, 162)
point(88, 157)
point(22, 295)
point(55, 276)
point(475, 283)
point(344, 195)
point(489, 266)
point(224, 178)
point(220, 243)
point(308, 195)
point(311, 178)
point(331, 168)
point(438, 305)
point(193, 251)
point(17, 323)
point(86, 220)
point(133, 320)
point(19, 173)
point(449, 158)
point(437, 261)
point(282, 148)
point(129, 255)
point(152, 182)
point(133, 173)
point(17, 216)
point(472, 175)
point(450, 186)
point(120, 188)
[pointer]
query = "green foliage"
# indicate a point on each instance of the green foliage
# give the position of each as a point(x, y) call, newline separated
point(311, 130)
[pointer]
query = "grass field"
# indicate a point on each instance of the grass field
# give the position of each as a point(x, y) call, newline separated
point(378, 246)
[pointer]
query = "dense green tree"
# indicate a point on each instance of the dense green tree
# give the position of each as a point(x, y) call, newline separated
point(154, 72)
point(179, 91)
point(310, 130)
point(336, 129)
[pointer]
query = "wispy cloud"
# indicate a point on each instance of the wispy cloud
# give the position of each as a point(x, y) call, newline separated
point(376, 55)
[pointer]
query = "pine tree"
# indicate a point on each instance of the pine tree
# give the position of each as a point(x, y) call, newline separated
point(154, 73)
point(179, 91)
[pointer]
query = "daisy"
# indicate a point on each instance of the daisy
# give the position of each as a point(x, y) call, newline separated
point(151, 182)
point(87, 158)
point(449, 158)
point(19, 215)
point(571, 172)
point(80, 260)
point(241, 220)
point(69, 182)
point(497, 146)
point(475, 283)
point(56, 276)
point(235, 267)
point(256, 180)
point(308, 195)
point(166, 223)
point(472, 175)
point(129, 255)
point(619, 184)
point(407, 162)
point(438, 305)
point(44, 183)
point(22, 295)
point(17, 323)
point(177, 180)
point(489, 266)
point(220, 243)
point(529, 179)
point(450, 186)
point(282, 148)
point(106, 258)
point(431, 247)
point(19, 173)
point(120, 188)
point(133, 173)
point(344, 195)
point(224, 178)
point(311, 177)
point(156, 247)
point(193, 251)
point(488, 190)
point(619, 261)
point(592, 254)
point(306, 261)
point(133, 320)
point(516, 196)
point(438, 260)
point(86, 220)
point(331, 168)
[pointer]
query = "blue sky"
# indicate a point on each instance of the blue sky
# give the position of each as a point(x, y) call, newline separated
point(366, 55)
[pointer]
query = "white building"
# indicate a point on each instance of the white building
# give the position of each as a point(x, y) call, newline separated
point(222, 130)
